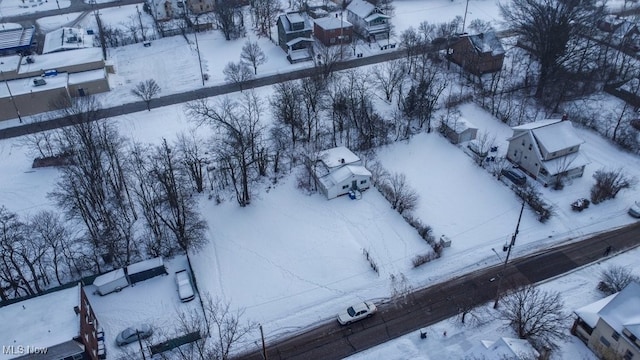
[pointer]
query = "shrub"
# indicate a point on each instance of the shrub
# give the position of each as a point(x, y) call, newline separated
point(422, 259)
point(609, 183)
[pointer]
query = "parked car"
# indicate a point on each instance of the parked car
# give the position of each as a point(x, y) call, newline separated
point(580, 204)
point(185, 290)
point(516, 176)
point(132, 334)
point(357, 312)
point(634, 210)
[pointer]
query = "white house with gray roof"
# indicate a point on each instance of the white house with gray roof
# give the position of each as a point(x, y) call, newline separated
point(338, 171)
point(547, 149)
point(610, 327)
point(368, 20)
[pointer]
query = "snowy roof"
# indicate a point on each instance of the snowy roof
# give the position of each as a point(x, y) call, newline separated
point(337, 156)
point(85, 76)
point(623, 311)
point(376, 16)
point(332, 23)
point(361, 8)
point(342, 174)
point(145, 265)
point(557, 136)
point(562, 163)
point(16, 37)
point(460, 125)
point(66, 38)
point(42, 321)
point(108, 277)
point(25, 86)
point(589, 313)
point(60, 59)
point(9, 63)
point(505, 348)
point(297, 40)
point(294, 17)
point(536, 124)
point(487, 42)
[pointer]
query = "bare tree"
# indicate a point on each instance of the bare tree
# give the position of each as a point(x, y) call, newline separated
point(238, 137)
point(95, 188)
point(548, 27)
point(615, 278)
point(536, 315)
point(228, 16)
point(265, 13)
point(286, 107)
point(221, 328)
point(253, 55)
point(402, 196)
point(326, 57)
point(237, 73)
point(146, 90)
point(609, 183)
point(193, 157)
point(389, 76)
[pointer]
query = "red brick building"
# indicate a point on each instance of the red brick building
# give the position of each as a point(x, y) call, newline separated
point(332, 31)
point(478, 54)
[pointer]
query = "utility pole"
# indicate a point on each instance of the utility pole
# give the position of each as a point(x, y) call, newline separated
point(13, 101)
point(264, 347)
point(144, 38)
point(507, 248)
point(140, 343)
point(464, 20)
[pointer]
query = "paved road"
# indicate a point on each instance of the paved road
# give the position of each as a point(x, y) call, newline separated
point(199, 94)
point(76, 6)
point(438, 302)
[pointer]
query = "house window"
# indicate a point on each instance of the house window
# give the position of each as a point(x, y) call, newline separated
point(525, 158)
point(515, 153)
point(529, 147)
point(628, 355)
point(615, 336)
point(536, 164)
point(522, 142)
point(363, 182)
point(345, 186)
point(604, 341)
point(332, 40)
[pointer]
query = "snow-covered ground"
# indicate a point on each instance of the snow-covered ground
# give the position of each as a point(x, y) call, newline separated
point(23, 7)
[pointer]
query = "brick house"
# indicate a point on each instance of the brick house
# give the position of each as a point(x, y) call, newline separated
point(332, 31)
point(478, 54)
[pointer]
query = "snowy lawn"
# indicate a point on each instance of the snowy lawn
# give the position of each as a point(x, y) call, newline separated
point(577, 289)
point(23, 7)
point(292, 259)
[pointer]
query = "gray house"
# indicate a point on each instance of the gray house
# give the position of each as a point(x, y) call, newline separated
point(547, 149)
point(459, 130)
point(294, 36)
point(368, 20)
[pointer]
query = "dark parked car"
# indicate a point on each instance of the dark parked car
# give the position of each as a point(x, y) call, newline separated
point(516, 176)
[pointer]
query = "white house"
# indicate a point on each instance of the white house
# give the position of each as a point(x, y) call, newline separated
point(547, 149)
point(338, 171)
point(368, 20)
point(610, 327)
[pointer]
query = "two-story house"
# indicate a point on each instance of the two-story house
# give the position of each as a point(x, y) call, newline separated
point(338, 171)
point(546, 150)
point(332, 31)
point(54, 326)
point(368, 20)
point(610, 327)
point(478, 54)
point(294, 36)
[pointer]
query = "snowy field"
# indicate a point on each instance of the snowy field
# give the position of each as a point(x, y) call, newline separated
point(577, 289)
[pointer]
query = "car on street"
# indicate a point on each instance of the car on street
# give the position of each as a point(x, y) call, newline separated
point(634, 210)
point(185, 290)
point(132, 334)
point(357, 312)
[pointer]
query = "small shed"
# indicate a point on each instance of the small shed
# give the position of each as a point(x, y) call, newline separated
point(459, 131)
point(146, 269)
point(112, 281)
